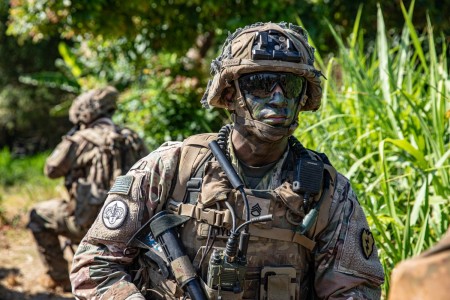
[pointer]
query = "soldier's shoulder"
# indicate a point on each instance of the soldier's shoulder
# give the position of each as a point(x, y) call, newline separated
point(93, 135)
point(201, 139)
point(167, 155)
point(166, 147)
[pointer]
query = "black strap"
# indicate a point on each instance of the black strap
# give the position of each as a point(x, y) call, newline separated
point(194, 184)
point(301, 152)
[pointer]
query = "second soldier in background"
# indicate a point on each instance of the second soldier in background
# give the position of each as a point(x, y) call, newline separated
point(89, 158)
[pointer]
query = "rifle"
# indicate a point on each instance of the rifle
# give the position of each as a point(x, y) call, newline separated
point(74, 129)
point(161, 228)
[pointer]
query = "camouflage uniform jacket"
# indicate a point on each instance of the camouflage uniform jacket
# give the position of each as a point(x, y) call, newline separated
point(337, 268)
point(73, 158)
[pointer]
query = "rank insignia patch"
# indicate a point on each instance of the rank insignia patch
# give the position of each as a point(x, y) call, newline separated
point(114, 214)
point(258, 206)
point(367, 242)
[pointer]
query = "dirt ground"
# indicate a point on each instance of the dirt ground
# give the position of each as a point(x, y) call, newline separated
point(20, 265)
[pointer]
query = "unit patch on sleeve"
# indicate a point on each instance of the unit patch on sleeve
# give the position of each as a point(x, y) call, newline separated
point(114, 214)
point(367, 242)
point(122, 185)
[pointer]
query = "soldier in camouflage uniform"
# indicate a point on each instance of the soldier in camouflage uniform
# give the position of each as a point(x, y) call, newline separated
point(317, 243)
point(77, 159)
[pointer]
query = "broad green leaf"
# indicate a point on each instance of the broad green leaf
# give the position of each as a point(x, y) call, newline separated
point(69, 59)
point(407, 147)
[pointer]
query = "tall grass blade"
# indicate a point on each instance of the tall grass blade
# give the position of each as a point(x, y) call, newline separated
point(414, 37)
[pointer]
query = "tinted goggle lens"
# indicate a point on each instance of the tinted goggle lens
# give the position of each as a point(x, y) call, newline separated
point(262, 84)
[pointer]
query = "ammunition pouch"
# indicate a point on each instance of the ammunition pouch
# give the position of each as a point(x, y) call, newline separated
point(225, 295)
point(270, 282)
point(278, 283)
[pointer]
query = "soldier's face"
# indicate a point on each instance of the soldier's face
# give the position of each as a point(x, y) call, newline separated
point(272, 98)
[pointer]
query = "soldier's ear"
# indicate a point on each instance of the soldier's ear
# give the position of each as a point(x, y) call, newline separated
point(228, 96)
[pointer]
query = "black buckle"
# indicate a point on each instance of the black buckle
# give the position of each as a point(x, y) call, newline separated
point(194, 184)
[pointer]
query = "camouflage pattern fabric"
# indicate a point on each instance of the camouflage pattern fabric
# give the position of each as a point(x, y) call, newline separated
point(237, 59)
point(71, 218)
point(344, 265)
point(48, 220)
point(425, 277)
point(89, 106)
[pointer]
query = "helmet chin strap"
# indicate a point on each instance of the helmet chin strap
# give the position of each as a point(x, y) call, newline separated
point(265, 132)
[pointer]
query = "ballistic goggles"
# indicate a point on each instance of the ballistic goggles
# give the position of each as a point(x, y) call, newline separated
point(262, 84)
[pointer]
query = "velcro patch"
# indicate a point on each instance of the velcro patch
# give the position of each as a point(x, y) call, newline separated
point(258, 206)
point(203, 230)
point(367, 242)
point(114, 214)
point(122, 185)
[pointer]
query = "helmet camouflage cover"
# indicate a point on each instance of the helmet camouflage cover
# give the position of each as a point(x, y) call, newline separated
point(262, 47)
point(93, 104)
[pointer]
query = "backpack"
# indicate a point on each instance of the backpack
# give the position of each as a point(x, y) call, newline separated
point(115, 153)
point(132, 149)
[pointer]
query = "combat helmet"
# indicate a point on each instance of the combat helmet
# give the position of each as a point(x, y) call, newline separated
point(274, 47)
point(93, 104)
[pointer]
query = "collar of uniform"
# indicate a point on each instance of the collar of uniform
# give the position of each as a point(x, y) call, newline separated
point(271, 180)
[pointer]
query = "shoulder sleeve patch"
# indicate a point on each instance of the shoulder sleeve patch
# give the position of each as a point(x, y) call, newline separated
point(122, 185)
point(367, 242)
point(114, 214)
point(358, 255)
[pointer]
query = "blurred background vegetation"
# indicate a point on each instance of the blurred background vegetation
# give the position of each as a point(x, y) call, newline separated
point(384, 121)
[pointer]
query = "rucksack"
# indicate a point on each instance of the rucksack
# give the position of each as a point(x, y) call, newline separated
point(132, 149)
point(115, 153)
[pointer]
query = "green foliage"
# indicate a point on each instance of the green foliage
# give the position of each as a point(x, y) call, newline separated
point(27, 121)
point(16, 171)
point(24, 108)
point(385, 116)
point(174, 25)
point(166, 25)
point(22, 184)
point(385, 122)
point(165, 105)
point(116, 42)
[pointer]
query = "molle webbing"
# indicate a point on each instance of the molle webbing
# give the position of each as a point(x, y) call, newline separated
point(222, 218)
point(214, 217)
point(194, 152)
point(188, 182)
point(281, 234)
